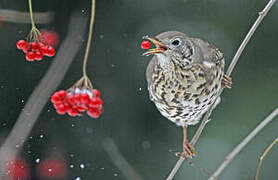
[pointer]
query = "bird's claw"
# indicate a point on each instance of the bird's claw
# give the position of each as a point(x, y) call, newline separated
point(188, 151)
point(226, 81)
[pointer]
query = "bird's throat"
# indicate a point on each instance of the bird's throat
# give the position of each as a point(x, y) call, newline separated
point(164, 62)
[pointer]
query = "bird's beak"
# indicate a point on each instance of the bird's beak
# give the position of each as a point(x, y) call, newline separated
point(160, 47)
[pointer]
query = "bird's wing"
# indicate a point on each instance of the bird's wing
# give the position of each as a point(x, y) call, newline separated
point(212, 58)
point(149, 74)
point(210, 52)
point(150, 70)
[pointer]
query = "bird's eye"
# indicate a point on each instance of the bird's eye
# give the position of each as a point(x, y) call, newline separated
point(176, 42)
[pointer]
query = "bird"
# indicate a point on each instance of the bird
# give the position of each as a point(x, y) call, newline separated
point(184, 78)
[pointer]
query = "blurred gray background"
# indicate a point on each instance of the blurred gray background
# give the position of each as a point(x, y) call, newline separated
point(145, 138)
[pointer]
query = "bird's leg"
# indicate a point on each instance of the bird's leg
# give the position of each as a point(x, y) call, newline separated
point(226, 81)
point(188, 149)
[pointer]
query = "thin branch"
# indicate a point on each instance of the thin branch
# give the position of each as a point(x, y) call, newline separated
point(119, 161)
point(39, 97)
point(263, 156)
point(24, 17)
point(31, 14)
point(93, 11)
point(262, 14)
point(246, 140)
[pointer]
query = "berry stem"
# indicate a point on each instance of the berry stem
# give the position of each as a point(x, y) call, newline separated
point(31, 15)
point(84, 81)
point(89, 38)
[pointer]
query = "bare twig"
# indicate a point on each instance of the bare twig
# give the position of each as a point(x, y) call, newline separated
point(197, 167)
point(262, 14)
point(246, 140)
point(263, 156)
point(119, 161)
point(24, 17)
point(29, 115)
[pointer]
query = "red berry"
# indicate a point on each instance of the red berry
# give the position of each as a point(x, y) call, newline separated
point(67, 105)
point(96, 101)
point(55, 98)
point(59, 100)
point(38, 55)
point(60, 112)
point(145, 45)
point(20, 44)
point(41, 44)
point(18, 170)
point(92, 105)
point(50, 51)
point(53, 168)
point(93, 112)
point(30, 56)
point(62, 93)
point(71, 99)
point(43, 48)
point(73, 112)
point(77, 98)
point(50, 37)
point(35, 45)
point(26, 47)
point(85, 99)
point(57, 104)
point(96, 93)
point(59, 96)
point(61, 109)
point(60, 106)
point(81, 109)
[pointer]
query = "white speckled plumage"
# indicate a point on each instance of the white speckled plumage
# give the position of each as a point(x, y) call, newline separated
point(184, 80)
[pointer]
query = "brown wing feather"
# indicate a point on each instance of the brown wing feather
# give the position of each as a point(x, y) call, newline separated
point(149, 73)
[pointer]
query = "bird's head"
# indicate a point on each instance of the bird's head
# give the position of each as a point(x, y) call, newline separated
point(172, 46)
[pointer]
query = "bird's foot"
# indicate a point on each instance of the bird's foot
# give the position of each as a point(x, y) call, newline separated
point(188, 151)
point(226, 81)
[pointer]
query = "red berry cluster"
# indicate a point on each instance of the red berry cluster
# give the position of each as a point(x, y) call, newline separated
point(35, 50)
point(77, 101)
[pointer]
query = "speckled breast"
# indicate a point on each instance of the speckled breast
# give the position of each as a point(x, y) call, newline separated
point(183, 95)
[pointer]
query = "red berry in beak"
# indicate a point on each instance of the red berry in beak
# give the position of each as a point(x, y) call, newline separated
point(145, 45)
